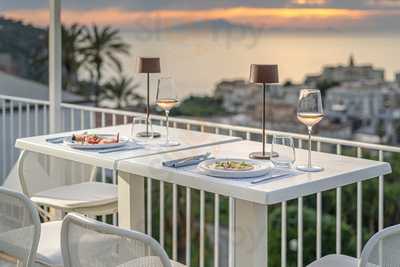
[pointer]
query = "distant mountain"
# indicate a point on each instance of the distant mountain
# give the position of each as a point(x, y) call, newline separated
point(223, 25)
point(218, 24)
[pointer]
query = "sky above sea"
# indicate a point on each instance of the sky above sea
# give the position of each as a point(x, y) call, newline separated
point(301, 36)
point(372, 15)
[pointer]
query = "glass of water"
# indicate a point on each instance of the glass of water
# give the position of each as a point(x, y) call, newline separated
point(284, 146)
point(140, 125)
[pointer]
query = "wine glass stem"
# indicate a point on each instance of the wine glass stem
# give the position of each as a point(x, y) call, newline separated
point(167, 125)
point(309, 146)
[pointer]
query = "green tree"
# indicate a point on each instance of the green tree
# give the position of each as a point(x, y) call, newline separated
point(309, 235)
point(104, 45)
point(380, 130)
point(73, 55)
point(200, 106)
point(121, 91)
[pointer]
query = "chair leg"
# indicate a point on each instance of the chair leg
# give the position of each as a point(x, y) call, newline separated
point(43, 214)
point(56, 214)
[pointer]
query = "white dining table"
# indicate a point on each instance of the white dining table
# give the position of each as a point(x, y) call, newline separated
point(250, 200)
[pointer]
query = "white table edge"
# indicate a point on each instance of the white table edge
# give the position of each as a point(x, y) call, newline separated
point(264, 198)
point(328, 184)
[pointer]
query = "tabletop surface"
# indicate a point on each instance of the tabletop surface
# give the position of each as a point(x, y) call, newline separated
point(338, 171)
point(187, 139)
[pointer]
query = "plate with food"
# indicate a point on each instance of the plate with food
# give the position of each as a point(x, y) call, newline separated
point(234, 168)
point(95, 141)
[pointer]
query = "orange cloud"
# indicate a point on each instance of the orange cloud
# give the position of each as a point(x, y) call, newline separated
point(309, 2)
point(284, 17)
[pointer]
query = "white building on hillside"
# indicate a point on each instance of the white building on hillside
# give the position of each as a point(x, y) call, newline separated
point(373, 108)
point(347, 73)
point(239, 96)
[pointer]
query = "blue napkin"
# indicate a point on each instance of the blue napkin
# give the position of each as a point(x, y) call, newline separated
point(56, 140)
point(178, 163)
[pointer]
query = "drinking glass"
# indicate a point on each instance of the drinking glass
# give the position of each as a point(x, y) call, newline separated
point(284, 146)
point(138, 125)
point(310, 112)
point(167, 99)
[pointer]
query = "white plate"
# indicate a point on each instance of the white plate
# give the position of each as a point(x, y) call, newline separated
point(122, 141)
point(260, 169)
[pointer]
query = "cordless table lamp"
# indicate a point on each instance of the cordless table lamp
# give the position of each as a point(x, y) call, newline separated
point(266, 75)
point(148, 65)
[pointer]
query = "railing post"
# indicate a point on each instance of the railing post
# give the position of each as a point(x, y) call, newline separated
point(55, 65)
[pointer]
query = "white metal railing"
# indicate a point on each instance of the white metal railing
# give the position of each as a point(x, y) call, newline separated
point(26, 117)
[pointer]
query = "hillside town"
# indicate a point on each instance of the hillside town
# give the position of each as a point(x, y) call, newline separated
point(359, 103)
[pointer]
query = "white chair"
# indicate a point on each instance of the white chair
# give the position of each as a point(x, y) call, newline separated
point(382, 250)
point(89, 243)
point(90, 198)
point(24, 242)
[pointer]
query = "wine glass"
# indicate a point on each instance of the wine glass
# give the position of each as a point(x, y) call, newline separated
point(167, 99)
point(310, 112)
point(138, 124)
point(284, 147)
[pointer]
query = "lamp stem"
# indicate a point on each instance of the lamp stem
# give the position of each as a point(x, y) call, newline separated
point(148, 104)
point(263, 120)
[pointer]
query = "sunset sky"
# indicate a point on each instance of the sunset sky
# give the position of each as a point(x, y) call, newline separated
point(308, 14)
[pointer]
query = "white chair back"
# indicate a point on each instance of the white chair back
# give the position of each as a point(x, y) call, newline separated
point(19, 229)
point(383, 249)
point(89, 243)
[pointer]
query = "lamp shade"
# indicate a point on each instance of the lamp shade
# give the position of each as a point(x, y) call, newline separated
point(149, 65)
point(264, 73)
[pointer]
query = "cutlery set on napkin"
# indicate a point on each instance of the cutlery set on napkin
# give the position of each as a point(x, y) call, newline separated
point(189, 161)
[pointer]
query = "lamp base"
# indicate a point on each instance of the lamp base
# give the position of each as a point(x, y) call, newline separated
point(263, 156)
point(149, 134)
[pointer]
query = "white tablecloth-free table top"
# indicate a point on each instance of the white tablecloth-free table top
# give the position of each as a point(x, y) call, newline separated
point(339, 171)
point(188, 139)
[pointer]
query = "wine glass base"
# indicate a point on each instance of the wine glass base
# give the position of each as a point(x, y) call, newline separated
point(263, 156)
point(170, 143)
point(309, 169)
point(149, 134)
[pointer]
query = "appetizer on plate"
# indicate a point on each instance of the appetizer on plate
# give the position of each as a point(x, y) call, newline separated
point(94, 139)
point(233, 165)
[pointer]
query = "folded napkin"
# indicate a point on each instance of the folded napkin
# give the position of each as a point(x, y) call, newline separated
point(56, 140)
point(178, 163)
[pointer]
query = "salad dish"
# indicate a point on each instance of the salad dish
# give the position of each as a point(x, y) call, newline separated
point(234, 168)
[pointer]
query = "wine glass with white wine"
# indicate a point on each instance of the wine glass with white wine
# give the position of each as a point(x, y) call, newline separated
point(310, 113)
point(167, 99)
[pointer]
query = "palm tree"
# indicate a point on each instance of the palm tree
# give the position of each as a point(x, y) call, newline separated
point(73, 55)
point(103, 46)
point(121, 91)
